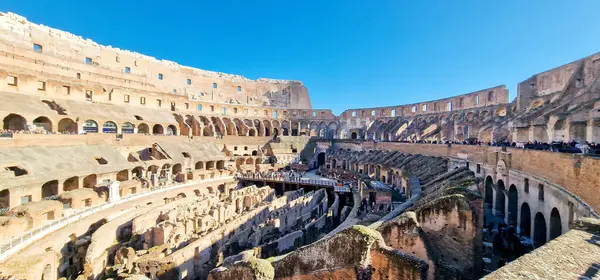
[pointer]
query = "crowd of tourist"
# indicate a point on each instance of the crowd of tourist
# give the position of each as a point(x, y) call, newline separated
point(572, 147)
point(291, 175)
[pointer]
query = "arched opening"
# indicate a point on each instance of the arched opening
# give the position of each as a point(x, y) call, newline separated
point(559, 131)
point(67, 126)
point(221, 164)
point(199, 165)
point(489, 192)
point(251, 132)
point(43, 123)
point(333, 163)
point(210, 165)
point(123, 175)
point(90, 126)
point(255, 153)
point(4, 199)
point(143, 128)
point(127, 127)
point(90, 181)
point(320, 159)
point(353, 135)
point(50, 189)
point(14, 122)
point(177, 169)
point(525, 225)
point(539, 230)
point(171, 130)
point(137, 172)
point(71, 184)
point(500, 198)
point(221, 188)
point(555, 224)
point(109, 127)
point(158, 129)
point(249, 161)
point(513, 204)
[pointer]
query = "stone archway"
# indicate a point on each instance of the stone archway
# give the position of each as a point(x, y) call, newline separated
point(44, 123)
point(67, 125)
point(50, 189)
point(171, 130)
point(539, 230)
point(489, 192)
point(353, 135)
point(525, 224)
point(500, 198)
point(320, 159)
point(555, 224)
point(14, 122)
point(513, 204)
point(71, 184)
point(158, 129)
point(143, 128)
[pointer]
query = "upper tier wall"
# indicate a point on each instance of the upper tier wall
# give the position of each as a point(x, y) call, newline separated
point(113, 66)
point(486, 97)
point(543, 84)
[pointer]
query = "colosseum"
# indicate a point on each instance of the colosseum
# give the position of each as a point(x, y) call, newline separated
point(117, 165)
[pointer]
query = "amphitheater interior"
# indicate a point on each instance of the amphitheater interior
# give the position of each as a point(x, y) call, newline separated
point(117, 165)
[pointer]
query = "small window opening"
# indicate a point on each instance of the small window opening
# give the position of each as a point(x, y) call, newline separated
point(239, 88)
point(18, 171)
point(142, 100)
point(37, 48)
point(127, 70)
point(526, 188)
point(42, 85)
point(138, 118)
point(541, 192)
point(214, 85)
point(118, 59)
point(158, 102)
point(101, 160)
point(126, 98)
point(79, 76)
point(67, 90)
point(186, 155)
point(11, 80)
point(188, 81)
point(88, 60)
point(88, 95)
point(160, 76)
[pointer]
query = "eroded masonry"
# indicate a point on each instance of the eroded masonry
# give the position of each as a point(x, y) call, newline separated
point(117, 165)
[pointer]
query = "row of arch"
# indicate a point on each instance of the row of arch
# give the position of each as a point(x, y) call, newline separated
point(15, 122)
point(506, 203)
point(152, 173)
point(224, 126)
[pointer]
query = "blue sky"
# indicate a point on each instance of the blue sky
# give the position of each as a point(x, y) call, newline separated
point(347, 53)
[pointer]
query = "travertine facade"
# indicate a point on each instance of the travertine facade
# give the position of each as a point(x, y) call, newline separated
point(119, 165)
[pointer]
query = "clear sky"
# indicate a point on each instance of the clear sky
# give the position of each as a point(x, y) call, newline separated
point(348, 53)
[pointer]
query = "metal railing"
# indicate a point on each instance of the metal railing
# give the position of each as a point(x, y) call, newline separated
point(287, 180)
point(19, 242)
